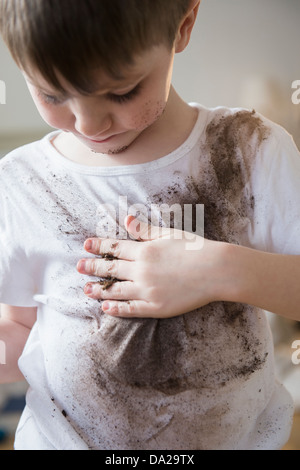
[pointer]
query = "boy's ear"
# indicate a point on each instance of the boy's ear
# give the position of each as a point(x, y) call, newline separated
point(186, 26)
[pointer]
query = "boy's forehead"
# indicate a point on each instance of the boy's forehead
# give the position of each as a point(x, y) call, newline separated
point(102, 81)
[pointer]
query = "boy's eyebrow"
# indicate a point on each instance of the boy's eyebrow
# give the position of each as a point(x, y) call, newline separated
point(122, 84)
point(44, 90)
point(117, 87)
point(110, 85)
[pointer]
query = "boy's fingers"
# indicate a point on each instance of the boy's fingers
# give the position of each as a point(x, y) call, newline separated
point(111, 289)
point(110, 249)
point(114, 269)
point(129, 309)
point(142, 231)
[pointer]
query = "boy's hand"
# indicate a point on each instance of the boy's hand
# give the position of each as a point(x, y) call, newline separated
point(164, 274)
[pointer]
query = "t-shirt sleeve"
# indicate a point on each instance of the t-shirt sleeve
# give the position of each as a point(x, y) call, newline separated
point(276, 187)
point(17, 286)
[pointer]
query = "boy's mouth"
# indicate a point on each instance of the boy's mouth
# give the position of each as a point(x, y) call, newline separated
point(112, 151)
point(102, 141)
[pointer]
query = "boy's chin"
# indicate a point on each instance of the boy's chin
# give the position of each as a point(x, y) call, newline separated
point(119, 150)
point(116, 151)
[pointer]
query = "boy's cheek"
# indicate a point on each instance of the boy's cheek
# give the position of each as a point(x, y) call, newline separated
point(54, 117)
point(149, 114)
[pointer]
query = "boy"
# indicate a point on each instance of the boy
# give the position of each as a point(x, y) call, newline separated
point(169, 350)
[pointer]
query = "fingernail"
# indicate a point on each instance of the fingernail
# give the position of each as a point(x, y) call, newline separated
point(88, 289)
point(105, 306)
point(81, 265)
point(88, 245)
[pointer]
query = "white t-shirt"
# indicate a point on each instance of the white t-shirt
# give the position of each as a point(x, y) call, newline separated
point(203, 380)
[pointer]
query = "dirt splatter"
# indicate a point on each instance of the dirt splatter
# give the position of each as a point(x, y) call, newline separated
point(222, 180)
point(180, 353)
point(204, 349)
point(232, 141)
point(164, 352)
point(140, 352)
point(108, 257)
point(106, 283)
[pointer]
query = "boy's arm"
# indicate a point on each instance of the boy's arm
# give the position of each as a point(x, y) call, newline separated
point(15, 326)
point(267, 280)
point(165, 279)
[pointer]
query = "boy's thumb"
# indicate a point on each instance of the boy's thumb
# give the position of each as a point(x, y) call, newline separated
point(142, 231)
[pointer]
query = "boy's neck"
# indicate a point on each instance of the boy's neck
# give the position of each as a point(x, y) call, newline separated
point(169, 132)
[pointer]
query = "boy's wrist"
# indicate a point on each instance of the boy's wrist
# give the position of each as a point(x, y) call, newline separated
point(230, 273)
point(268, 281)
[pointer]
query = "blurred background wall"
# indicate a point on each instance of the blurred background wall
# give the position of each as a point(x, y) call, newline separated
point(242, 53)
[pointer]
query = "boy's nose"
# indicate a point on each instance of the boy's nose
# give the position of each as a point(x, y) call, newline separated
point(92, 123)
point(93, 129)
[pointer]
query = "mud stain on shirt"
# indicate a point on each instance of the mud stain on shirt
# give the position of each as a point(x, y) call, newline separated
point(232, 142)
point(179, 353)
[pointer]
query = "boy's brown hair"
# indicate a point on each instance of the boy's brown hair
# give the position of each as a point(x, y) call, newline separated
point(75, 37)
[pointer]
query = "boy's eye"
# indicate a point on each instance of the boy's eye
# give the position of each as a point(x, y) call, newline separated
point(50, 99)
point(126, 97)
point(55, 100)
